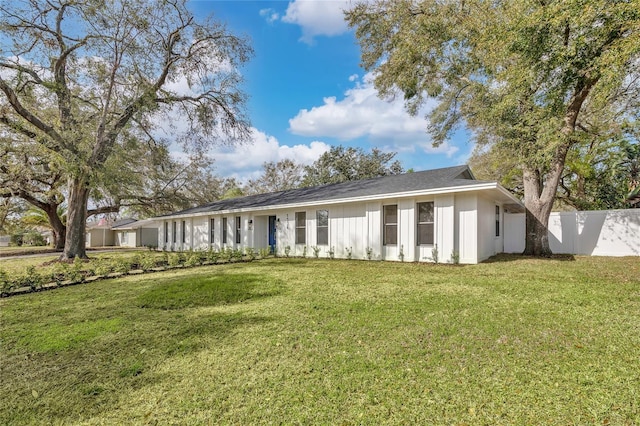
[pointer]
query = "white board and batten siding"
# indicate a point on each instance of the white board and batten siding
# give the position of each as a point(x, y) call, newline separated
point(464, 224)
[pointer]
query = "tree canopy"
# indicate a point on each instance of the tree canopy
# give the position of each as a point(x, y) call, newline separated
point(276, 176)
point(80, 80)
point(535, 77)
point(341, 164)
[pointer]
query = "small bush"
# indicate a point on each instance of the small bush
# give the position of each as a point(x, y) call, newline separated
point(213, 255)
point(33, 238)
point(75, 271)
point(349, 252)
point(226, 254)
point(32, 278)
point(316, 251)
point(401, 254)
point(193, 259)
point(434, 254)
point(304, 252)
point(369, 251)
point(237, 255)
point(331, 254)
point(287, 251)
point(5, 284)
point(135, 261)
point(264, 252)
point(148, 262)
point(174, 260)
point(103, 267)
point(16, 239)
point(121, 265)
point(455, 257)
point(251, 253)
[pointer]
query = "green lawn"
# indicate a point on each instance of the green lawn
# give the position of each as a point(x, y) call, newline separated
point(306, 341)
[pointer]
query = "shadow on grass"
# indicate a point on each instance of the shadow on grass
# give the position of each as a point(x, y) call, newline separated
point(214, 290)
point(160, 325)
point(504, 257)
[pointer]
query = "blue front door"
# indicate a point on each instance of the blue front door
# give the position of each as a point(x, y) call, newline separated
point(272, 234)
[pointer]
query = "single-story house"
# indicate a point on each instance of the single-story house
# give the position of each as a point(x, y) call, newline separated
point(100, 234)
point(445, 213)
point(139, 233)
point(125, 232)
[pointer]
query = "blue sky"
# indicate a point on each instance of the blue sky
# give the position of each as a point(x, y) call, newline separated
point(307, 91)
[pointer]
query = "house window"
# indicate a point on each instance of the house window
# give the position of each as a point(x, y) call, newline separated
point(174, 236)
point(211, 228)
point(166, 232)
point(497, 221)
point(184, 232)
point(390, 225)
point(224, 230)
point(322, 218)
point(238, 226)
point(425, 223)
point(301, 227)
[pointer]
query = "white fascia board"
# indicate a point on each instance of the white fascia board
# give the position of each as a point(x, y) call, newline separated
point(392, 195)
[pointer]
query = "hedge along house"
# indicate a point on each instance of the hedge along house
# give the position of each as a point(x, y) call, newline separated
point(399, 217)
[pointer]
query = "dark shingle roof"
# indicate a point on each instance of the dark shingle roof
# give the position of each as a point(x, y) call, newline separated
point(425, 180)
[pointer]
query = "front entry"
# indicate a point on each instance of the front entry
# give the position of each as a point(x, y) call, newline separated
point(272, 234)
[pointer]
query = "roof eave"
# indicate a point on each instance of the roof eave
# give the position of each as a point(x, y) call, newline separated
point(377, 197)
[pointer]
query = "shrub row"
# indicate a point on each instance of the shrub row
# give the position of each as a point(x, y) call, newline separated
point(80, 271)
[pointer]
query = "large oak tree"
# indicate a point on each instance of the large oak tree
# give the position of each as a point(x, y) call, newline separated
point(112, 72)
point(529, 75)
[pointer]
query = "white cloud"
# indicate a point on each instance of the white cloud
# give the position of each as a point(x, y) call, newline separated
point(317, 17)
point(362, 114)
point(245, 161)
point(270, 15)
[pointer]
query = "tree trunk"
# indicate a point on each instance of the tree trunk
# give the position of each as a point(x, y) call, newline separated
point(537, 214)
point(539, 194)
point(57, 227)
point(76, 220)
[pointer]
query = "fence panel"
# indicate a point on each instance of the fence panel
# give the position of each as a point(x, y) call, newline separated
point(596, 233)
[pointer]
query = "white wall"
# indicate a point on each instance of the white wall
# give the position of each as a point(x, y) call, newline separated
point(597, 233)
point(444, 211)
point(488, 243)
point(126, 238)
point(467, 220)
point(358, 227)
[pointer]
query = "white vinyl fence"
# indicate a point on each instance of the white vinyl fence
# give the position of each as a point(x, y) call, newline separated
point(597, 233)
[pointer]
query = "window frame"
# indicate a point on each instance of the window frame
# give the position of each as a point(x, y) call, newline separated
point(224, 230)
point(320, 228)
point(426, 223)
point(497, 221)
point(301, 227)
point(212, 227)
point(183, 229)
point(238, 229)
point(387, 225)
point(166, 232)
point(174, 236)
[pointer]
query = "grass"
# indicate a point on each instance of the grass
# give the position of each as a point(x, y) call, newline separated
point(44, 265)
point(519, 341)
point(15, 251)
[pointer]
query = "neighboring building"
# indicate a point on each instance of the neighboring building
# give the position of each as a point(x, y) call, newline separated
point(126, 233)
point(140, 233)
point(5, 240)
point(401, 217)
